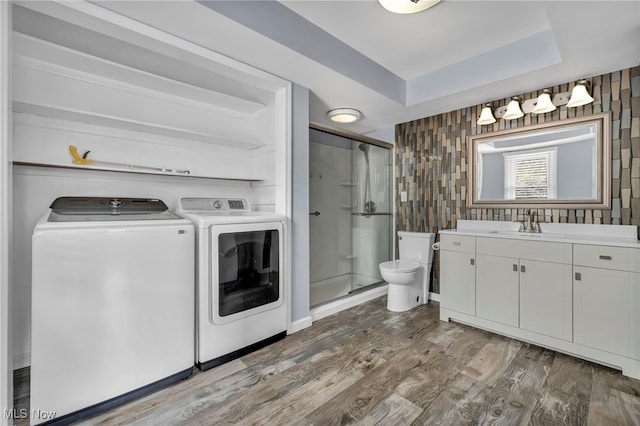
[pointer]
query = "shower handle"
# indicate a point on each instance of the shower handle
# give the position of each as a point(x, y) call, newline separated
point(314, 214)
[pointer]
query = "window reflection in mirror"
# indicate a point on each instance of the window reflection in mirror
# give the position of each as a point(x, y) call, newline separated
point(561, 164)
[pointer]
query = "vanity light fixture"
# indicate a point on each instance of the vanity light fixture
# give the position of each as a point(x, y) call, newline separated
point(486, 116)
point(544, 104)
point(513, 109)
point(344, 115)
point(580, 94)
point(407, 6)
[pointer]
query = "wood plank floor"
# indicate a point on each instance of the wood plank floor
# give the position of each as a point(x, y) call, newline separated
point(368, 366)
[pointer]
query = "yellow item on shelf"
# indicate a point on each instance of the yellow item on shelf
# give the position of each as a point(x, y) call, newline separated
point(77, 159)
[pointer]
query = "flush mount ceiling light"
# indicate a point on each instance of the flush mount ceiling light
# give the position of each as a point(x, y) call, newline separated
point(544, 104)
point(486, 116)
point(513, 109)
point(344, 115)
point(580, 95)
point(407, 6)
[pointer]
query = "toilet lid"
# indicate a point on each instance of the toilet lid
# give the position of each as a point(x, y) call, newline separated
point(400, 266)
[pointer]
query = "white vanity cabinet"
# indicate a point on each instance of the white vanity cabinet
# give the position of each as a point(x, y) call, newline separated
point(457, 270)
point(606, 298)
point(497, 289)
point(576, 291)
point(546, 299)
point(525, 284)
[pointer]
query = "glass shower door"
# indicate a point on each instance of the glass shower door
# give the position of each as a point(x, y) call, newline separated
point(371, 212)
point(350, 215)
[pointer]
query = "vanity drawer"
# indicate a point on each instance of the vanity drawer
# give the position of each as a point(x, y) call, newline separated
point(542, 251)
point(461, 243)
point(605, 257)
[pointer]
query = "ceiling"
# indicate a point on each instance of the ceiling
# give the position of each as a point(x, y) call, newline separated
point(397, 68)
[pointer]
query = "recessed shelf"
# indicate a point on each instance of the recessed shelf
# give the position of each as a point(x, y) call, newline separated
point(130, 125)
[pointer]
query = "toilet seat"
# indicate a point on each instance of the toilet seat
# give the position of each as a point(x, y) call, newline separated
point(400, 266)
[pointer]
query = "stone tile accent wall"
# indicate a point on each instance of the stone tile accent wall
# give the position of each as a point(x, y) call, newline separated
point(431, 160)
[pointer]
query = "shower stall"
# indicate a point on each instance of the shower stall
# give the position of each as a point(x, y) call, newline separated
point(350, 214)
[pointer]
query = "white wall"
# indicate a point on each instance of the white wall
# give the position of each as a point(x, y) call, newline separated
point(386, 134)
point(300, 215)
point(6, 365)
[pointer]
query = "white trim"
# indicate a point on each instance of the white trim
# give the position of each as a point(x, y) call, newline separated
point(434, 296)
point(6, 350)
point(339, 305)
point(300, 324)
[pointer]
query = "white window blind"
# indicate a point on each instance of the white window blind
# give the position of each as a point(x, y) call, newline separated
point(531, 175)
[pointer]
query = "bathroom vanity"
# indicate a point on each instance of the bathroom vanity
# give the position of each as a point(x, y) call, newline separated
point(573, 288)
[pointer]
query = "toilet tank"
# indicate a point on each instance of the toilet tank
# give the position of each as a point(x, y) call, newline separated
point(416, 246)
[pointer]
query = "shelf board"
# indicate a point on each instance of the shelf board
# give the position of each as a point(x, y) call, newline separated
point(137, 172)
point(120, 123)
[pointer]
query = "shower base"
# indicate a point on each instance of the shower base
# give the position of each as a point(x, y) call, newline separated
point(336, 287)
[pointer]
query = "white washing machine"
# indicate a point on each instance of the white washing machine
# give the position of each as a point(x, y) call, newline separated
point(241, 291)
point(112, 304)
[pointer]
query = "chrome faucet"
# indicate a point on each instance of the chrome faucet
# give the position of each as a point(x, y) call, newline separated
point(530, 224)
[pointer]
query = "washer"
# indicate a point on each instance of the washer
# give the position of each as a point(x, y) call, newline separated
point(241, 290)
point(113, 288)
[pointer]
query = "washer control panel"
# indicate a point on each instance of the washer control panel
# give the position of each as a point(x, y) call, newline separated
point(196, 204)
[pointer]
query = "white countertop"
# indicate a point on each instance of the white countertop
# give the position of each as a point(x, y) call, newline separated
point(608, 235)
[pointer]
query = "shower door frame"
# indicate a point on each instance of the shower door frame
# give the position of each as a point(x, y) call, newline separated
point(365, 139)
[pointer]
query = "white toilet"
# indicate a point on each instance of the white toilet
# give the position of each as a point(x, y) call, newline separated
point(409, 276)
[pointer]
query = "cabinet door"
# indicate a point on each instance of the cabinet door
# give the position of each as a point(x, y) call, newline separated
point(601, 301)
point(458, 282)
point(546, 298)
point(497, 289)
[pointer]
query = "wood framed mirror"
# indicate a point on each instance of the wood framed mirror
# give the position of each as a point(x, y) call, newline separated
point(562, 164)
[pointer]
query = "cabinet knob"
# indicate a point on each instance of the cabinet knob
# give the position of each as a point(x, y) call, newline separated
point(456, 243)
point(578, 276)
point(515, 268)
point(522, 268)
point(473, 262)
point(603, 257)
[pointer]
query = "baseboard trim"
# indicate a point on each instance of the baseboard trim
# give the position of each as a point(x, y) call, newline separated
point(434, 296)
point(300, 324)
point(336, 306)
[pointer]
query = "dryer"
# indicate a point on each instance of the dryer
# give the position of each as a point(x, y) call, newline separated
point(241, 290)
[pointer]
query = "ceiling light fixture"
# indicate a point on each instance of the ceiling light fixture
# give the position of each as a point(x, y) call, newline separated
point(513, 109)
point(486, 116)
point(344, 115)
point(544, 104)
point(580, 94)
point(407, 6)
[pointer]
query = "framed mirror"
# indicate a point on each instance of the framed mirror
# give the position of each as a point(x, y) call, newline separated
point(562, 164)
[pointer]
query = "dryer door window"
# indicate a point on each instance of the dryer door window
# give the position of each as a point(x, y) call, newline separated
point(248, 270)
